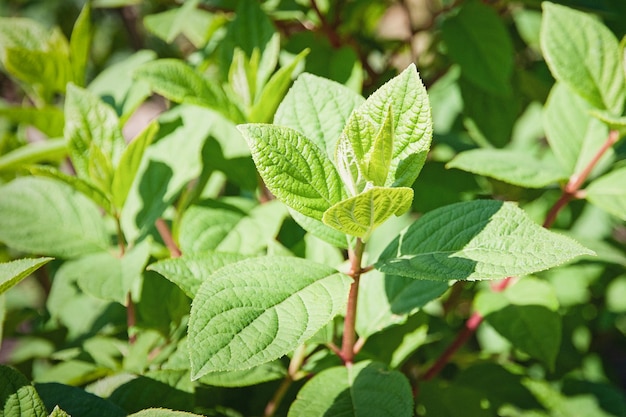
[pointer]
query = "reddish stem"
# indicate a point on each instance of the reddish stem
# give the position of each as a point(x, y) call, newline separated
point(168, 239)
point(349, 332)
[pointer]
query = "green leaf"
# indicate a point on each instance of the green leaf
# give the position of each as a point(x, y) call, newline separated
point(31, 153)
point(319, 109)
point(191, 270)
point(195, 24)
point(117, 86)
point(519, 324)
point(412, 123)
point(107, 277)
point(608, 193)
point(168, 165)
point(48, 119)
point(176, 81)
point(511, 166)
point(20, 32)
point(126, 170)
point(360, 215)
point(43, 216)
point(88, 189)
point(566, 36)
point(319, 229)
point(272, 93)
point(216, 225)
point(17, 396)
point(76, 401)
point(80, 44)
point(148, 391)
point(162, 412)
point(478, 41)
point(270, 371)
point(49, 69)
point(57, 412)
point(242, 75)
point(91, 124)
point(250, 29)
point(13, 272)
point(364, 389)
point(294, 169)
point(260, 309)
point(476, 240)
point(386, 300)
point(574, 136)
point(480, 106)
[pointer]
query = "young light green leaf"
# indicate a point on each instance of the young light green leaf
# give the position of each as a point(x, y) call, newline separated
point(412, 123)
point(260, 309)
point(566, 36)
point(608, 193)
point(511, 166)
point(13, 272)
point(360, 215)
point(88, 120)
point(363, 153)
point(80, 44)
point(319, 109)
point(574, 136)
point(49, 119)
point(476, 240)
point(478, 41)
point(272, 93)
point(126, 170)
point(191, 270)
point(108, 277)
point(43, 216)
point(294, 169)
point(18, 396)
point(51, 149)
point(242, 75)
point(85, 187)
point(364, 389)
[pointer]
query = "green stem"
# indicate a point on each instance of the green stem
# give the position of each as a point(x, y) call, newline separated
point(299, 355)
point(349, 332)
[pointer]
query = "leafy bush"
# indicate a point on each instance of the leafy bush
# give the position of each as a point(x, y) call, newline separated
point(245, 209)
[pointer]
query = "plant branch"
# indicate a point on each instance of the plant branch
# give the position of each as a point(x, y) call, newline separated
point(470, 327)
point(349, 332)
point(570, 191)
point(330, 32)
point(167, 237)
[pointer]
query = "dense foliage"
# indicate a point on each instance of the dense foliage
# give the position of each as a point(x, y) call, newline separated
point(312, 208)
